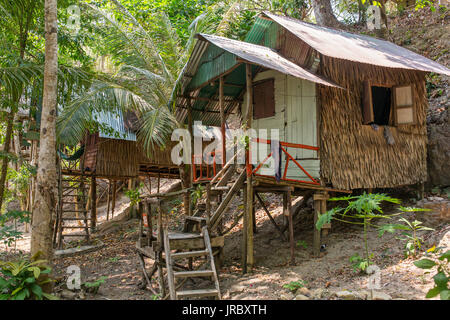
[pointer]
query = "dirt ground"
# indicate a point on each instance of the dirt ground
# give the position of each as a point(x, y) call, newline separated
point(332, 272)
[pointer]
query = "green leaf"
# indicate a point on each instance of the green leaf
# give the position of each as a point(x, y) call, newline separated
point(433, 292)
point(445, 294)
point(425, 264)
point(441, 280)
point(37, 290)
point(49, 296)
point(445, 255)
point(36, 271)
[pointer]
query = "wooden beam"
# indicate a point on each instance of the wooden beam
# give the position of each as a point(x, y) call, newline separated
point(249, 207)
point(291, 227)
point(270, 216)
point(222, 121)
point(210, 99)
point(93, 202)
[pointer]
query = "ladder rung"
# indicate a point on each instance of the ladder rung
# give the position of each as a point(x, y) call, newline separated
point(192, 274)
point(74, 211)
point(189, 254)
point(75, 235)
point(198, 293)
point(75, 219)
point(70, 227)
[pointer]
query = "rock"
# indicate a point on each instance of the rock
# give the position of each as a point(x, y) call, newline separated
point(286, 296)
point(347, 295)
point(379, 295)
point(67, 294)
point(318, 293)
point(236, 288)
point(364, 294)
point(304, 291)
point(439, 153)
point(301, 297)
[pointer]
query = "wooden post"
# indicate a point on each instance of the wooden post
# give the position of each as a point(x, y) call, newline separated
point(160, 237)
point(149, 224)
point(291, 226)
point(108, 199)
point(190, 166)
point(222, 121)
point(249, 208)
point(319, 207)
point(93, 202)
point(244, 232)
point(208, 202)
point(141, 222)
point(113, 204)
point(159, 180)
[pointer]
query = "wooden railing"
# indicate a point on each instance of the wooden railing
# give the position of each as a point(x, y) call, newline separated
point(289, 158)
point(197, 169)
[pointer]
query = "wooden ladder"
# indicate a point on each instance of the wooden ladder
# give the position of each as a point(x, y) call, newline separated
point(73, 199)
point(173, 276)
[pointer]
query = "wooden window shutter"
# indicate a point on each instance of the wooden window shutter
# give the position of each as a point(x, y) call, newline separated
point(367, 107)
point(404, 110)
point(264, 99)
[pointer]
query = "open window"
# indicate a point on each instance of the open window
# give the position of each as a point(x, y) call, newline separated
point(385, 105)
point(263, 99)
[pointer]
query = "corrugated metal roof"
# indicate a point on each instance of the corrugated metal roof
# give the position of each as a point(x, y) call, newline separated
point(265, 57)
point(354, 47)
point(115, 122)
point(214, 55)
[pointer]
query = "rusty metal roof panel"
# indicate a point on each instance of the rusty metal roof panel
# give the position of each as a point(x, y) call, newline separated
point(265, 57)
point(357, 48)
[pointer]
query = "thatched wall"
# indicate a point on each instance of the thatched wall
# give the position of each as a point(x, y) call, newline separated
point(121, 158)
point(354, 155)
point(117, 158)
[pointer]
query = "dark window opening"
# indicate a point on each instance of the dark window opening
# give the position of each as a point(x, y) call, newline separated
point(381, 104)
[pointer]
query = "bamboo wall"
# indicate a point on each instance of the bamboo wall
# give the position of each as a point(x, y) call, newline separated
point(354, 155)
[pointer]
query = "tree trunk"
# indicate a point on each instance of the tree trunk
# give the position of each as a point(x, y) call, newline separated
point(46, 198)
point(5, 160)
point(324, 14)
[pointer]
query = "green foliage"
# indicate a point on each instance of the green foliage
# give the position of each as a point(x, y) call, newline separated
point(197, 194)
point(302, 243)
point(365, 207)
point(293, 286)
point(95, 285)
point(20, 280)
point(134, 195)
point(360, 264)
point(413, 242)
point(9, 233)
point(441, 278)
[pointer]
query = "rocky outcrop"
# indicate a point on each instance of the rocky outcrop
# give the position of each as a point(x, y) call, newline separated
point(439, 147)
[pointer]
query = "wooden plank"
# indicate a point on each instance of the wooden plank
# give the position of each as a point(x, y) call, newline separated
point(193, 274)
point(170, 275)
point(189, 254)
point(249, 206)
point(196, 244)
point(211, 259)
point(197, 293)
point(291, 227)
point(226, 201)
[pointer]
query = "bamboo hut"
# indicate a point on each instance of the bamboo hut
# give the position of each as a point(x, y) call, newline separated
point(349, 109)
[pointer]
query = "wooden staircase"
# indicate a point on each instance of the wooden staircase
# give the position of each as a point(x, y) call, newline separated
point(210, 272)
point(72, 210)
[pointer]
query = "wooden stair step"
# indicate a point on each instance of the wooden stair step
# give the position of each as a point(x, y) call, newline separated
point(222, 188)
point(189, 254)
point(198, 293)
point(75, 219)
point(73, 227)
point(75, 235)
point(79, 211)
point(194, 273)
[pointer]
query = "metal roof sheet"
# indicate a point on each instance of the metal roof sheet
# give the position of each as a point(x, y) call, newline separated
point(115, 122)
point(357, 48)
point(265, 57)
